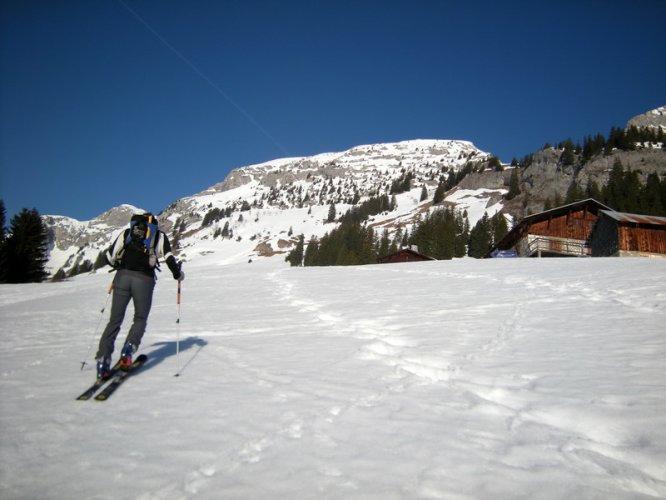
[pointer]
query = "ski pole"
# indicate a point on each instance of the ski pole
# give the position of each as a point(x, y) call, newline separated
point(178, 331)
point(99, 321)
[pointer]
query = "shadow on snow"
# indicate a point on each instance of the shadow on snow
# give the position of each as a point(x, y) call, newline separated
point(164, 350)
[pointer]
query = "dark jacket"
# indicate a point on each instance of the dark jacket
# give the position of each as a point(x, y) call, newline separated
point(121, 256)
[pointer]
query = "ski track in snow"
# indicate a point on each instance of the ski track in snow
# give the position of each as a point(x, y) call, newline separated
point(463, 379)
point(493, 396)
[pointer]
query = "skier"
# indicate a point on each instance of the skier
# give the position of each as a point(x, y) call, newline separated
point(134, 255)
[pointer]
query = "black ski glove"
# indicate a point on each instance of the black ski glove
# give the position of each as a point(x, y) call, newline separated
point(175, 268)
point(178, 273)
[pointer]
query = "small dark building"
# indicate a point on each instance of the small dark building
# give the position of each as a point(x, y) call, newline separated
point(562, 231)
point(628, 235)
point(404, 255)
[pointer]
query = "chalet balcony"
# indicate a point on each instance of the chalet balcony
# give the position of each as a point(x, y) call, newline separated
point(542, 246)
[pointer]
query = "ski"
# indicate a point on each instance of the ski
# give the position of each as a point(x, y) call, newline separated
point(119, 378)
point(90, 391)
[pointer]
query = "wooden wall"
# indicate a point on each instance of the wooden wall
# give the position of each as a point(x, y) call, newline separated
point(575, 225)
point(642, 239)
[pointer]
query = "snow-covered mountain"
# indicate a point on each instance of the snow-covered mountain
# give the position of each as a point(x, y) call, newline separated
point(258, 210)
point(73, 242)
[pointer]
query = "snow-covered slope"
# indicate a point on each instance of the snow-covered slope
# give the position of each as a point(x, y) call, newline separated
point(455, 379)
point(361, 163)
point(271, 200)
point(265, 207)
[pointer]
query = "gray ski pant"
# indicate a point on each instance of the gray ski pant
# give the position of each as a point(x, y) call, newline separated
point(127, 285)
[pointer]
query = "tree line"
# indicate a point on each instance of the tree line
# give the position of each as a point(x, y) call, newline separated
point(624, 192)
point(23, 247)
point(442, 234)
point(623, 139)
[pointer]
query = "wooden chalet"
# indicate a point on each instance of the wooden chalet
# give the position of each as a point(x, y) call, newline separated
point(561, 231)
point(628, 235)
point(404, 255)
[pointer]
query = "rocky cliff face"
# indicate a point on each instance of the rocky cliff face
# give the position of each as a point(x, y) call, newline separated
point(548, 176)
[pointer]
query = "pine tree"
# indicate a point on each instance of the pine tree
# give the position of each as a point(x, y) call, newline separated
point(593, 191)
point(495, 164)
point(616, 191)
point(480, 238)
point(295, 257)
point(443, 237)
point(462, 238)
point(331, 213)
point(632, 192)
point(405, 239)
point(384, 244)
point(593, 146)
point(23, 254)
point(651, 196)
point(2, 222)
point(424, 193)
point(514, 185)
point(499, 227)
point(439, 193)
point(574, 193)
point(311, 252)
point(349, 244)
point(367, 254)
point(3, 249)
point(568, 156)
point(225, 231)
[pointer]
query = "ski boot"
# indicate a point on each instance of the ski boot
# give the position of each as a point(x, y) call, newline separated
point(126, 356)
point(103, 368)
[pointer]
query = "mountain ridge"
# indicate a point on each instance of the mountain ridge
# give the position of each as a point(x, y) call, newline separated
point(259, 209)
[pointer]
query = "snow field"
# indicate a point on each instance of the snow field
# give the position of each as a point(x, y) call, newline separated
point(460, 379)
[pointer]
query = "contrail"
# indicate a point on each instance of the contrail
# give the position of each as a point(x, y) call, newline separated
point(210, 82)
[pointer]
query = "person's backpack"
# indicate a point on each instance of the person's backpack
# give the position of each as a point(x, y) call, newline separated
point(141, 241)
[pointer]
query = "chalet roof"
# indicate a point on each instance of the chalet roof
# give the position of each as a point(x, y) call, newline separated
point(408, 251)
point(589, 203)
point(635, 218)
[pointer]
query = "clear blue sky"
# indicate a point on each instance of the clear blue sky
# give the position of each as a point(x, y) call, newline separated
point(104, 102)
